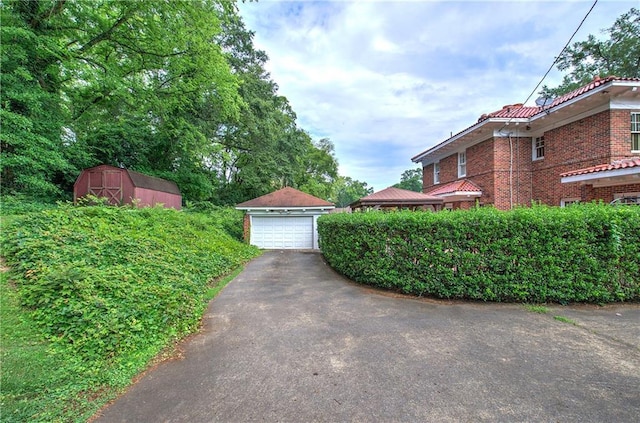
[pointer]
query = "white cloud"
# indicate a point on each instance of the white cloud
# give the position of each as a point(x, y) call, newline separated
point(385, 80)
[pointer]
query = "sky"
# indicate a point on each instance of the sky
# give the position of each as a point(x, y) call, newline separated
point(386, 80)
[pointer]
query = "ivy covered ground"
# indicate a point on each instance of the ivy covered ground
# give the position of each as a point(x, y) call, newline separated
point(90, 295)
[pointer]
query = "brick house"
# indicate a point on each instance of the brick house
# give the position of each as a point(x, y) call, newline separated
point(582, 146)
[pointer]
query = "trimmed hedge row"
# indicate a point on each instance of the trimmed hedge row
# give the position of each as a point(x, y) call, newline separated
point(583, 253)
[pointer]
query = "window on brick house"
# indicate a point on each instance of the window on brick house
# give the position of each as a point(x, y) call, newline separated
point(436, 173)
point(538, 148)
point(462, 164)
point(635, 132)
point(569, 201)
point(626, 198)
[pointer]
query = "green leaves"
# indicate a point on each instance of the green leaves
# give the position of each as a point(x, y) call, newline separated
point(618, 55)
point(411, 180)
point(174, 89)
point(110, 287)
point(587, 253)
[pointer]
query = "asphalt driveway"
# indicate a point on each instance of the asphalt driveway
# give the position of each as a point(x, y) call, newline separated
point(289, 340)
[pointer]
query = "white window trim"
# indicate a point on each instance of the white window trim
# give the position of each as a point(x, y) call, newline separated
point(566, 201)
point(637, 131)
point(436, 173)
point(534, 148)
point(460, 164)
point(621, 195)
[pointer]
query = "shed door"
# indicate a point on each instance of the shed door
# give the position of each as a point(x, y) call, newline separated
point(106, 183)
point(290, 232)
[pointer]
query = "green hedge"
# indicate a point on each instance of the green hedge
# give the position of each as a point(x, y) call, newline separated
point(584, 253)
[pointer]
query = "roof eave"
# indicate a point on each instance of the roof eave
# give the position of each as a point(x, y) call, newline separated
point(400, 202)
point(461, 194)
point(298, 208)
point(543, 113)
point(492, 120)
point(614, 173)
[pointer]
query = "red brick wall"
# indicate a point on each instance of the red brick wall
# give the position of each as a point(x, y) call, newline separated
point(246, 226)
point(594, 140)
point(427, 177)
point(620, 134)
point(480, 169)
point(574, 146)
point(512, 169)
point(606, 193)
point(449, 169)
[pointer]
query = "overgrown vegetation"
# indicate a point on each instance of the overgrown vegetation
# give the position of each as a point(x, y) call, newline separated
point(586, 253)
point(174, 89)
point(92, 294)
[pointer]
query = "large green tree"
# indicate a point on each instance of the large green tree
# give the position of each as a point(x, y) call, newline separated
point(618, 54)
point(172, 88)
point(319, 169)
point(264, 149)
point(118, 82)
point(31, 147)
point(411, 180)
point(347, 190)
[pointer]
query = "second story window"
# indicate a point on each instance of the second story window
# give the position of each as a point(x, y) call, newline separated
point(635, 132)
point(462, 164)
point(436, 173)
point(538, 148)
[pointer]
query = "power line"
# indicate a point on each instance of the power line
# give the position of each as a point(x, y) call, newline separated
point(563, 49)
point(556, 59)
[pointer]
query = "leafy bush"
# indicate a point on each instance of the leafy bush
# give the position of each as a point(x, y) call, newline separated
point(227, 218)
point(21, 204)
point(110, 287)
point(586, 253)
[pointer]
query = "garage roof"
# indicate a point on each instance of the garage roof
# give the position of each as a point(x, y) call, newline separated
point(286, 197)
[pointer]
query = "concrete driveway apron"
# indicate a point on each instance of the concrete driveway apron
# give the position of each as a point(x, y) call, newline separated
point(289, 340)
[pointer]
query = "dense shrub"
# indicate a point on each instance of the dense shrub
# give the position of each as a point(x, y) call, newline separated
point(585, 253)
point(20, 204)
point(227, 218)
point(109, 287)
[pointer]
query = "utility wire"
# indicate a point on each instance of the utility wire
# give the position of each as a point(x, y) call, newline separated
point(563, 49)
point(556, 59)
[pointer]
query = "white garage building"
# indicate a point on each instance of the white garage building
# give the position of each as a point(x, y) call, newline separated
point(284, 219)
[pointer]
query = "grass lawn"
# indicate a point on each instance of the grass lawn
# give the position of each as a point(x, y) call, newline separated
point(35, 385)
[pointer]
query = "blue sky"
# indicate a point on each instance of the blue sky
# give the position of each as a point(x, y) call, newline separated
point(385, 80)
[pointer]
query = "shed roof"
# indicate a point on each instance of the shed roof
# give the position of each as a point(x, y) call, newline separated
point(141, 180)
point(393, 196)
point(286, 197)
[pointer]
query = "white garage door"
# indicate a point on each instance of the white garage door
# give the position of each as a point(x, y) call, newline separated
point(291, 232)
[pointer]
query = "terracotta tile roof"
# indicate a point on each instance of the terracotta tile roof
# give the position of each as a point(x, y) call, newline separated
point(463, 185)
point(398, 194)
point(597, 82)
point(286, 197)
point(519, 111)
point(512, 111)
point(515, 111)
point(396, 197)
point(618, 164)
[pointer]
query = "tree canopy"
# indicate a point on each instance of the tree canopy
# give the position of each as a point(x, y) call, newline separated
point(347, 190)
point(174, 89)
point(411, 180)
point(618, 55)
